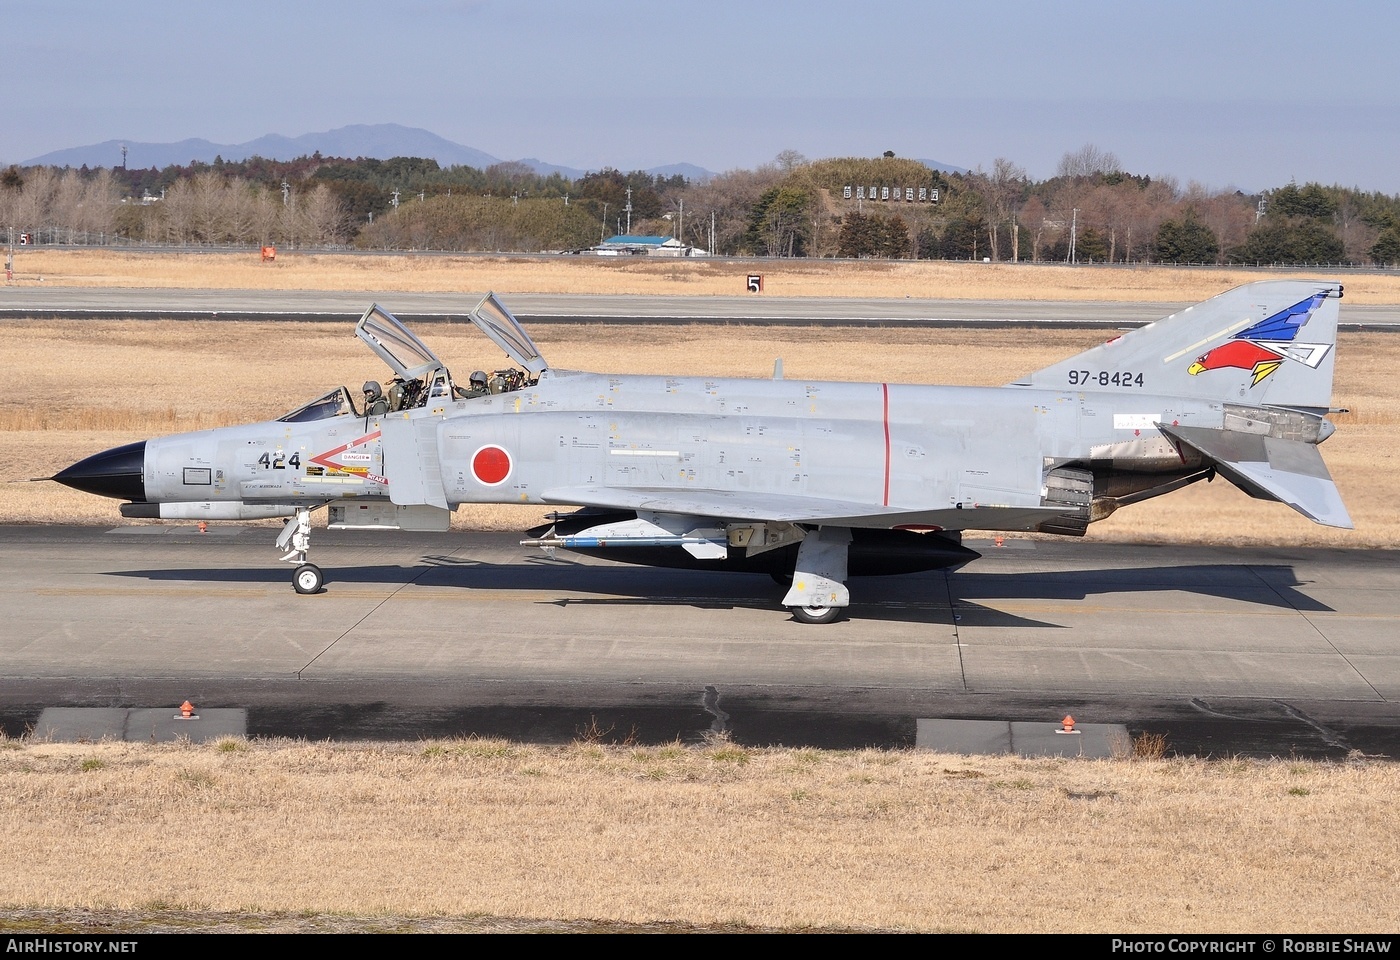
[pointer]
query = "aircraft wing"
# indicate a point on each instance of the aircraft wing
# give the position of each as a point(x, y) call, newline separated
point(783, 508)
point(1270, 468)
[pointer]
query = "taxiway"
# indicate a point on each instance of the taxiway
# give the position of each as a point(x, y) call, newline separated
point(1251, 651)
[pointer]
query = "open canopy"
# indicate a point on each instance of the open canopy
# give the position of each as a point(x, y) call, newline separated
point(397, 345)
point(506, 332)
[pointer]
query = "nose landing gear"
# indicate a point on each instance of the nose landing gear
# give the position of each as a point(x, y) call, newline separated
point(307, 578)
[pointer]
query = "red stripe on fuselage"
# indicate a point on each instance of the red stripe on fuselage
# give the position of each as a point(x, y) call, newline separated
point(885, 390)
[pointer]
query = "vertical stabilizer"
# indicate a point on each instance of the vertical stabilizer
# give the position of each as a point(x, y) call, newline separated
point(1267, 343)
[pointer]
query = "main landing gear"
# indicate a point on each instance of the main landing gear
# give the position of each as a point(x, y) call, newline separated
point(818, 593)
point(815, 614)
point(307, 578)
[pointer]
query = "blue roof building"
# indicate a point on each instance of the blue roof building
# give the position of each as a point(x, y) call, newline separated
point(630, 244)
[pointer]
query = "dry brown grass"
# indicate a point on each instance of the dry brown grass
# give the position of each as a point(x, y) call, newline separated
point(595, 275)
point(97, 384)
point(714, 834)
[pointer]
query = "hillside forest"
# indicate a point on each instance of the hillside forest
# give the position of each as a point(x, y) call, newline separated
point(1090, 211)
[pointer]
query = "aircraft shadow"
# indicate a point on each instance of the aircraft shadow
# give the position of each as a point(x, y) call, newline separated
point(1272, 585)
point(579, 584)
point(913, 598)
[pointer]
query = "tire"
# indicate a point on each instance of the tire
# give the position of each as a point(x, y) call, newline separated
point(307, 579)
point(815, 614)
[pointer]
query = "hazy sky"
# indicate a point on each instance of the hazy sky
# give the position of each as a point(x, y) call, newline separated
point(1247, 94)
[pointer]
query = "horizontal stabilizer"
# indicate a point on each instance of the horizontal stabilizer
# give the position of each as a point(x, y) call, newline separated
point(1289, 471)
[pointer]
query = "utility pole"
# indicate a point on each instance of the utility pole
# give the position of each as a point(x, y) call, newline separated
point(628, 210)
point(1073, 235)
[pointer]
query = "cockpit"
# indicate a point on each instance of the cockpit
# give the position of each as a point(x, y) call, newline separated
point(419, 376)
point(337, 403)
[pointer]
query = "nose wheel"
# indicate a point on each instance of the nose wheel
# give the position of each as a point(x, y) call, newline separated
point(308, 578)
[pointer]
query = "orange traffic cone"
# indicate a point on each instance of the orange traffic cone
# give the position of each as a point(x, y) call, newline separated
point(187, 712)
point(1067, 725)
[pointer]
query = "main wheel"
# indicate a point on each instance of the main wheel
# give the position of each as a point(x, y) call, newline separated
point(308, 578)
point(815, 614)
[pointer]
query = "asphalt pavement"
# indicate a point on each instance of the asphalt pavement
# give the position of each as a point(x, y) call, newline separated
point(1260, 652)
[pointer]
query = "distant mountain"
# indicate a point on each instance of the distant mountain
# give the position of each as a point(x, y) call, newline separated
point(380, 141)
point(688, 170)
point(545, 169)
point(377, 140)
point(139, 155)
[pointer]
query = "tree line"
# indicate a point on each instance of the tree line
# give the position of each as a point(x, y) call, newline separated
point(1090, 211)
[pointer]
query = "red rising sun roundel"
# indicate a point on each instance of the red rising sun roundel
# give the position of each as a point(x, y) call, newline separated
point(491, 465)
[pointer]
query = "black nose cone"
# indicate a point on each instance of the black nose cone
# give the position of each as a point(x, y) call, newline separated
point(115, 473)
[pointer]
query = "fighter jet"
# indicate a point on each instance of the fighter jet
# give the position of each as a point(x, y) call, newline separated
point(811, 482)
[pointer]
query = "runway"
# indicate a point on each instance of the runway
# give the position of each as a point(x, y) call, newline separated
point(536, 309)
point(1223, 651)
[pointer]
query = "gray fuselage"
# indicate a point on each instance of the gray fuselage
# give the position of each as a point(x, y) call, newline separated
point(895, 446)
